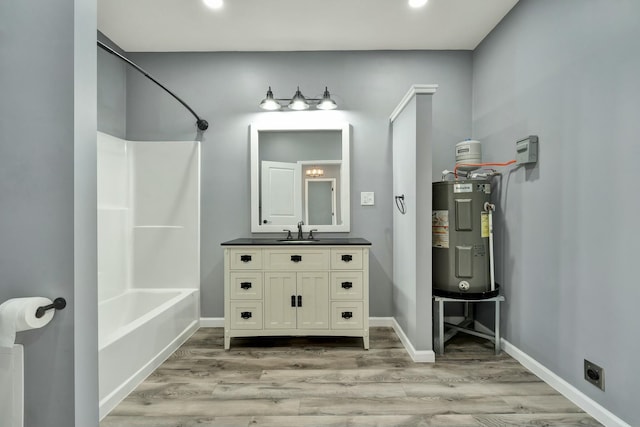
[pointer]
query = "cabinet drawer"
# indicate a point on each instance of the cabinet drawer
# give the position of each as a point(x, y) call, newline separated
point(346, 315)
point(245, 315)
point(245, 259)
point(346, 259)
point(346, 285)
point(296, 260)
point(246, 284)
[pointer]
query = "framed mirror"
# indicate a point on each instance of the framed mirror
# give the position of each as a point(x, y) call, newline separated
point(300, 172)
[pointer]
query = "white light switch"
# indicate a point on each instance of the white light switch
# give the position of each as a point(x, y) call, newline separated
point(367, 198)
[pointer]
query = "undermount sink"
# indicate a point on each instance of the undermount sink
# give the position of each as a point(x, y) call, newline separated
point(295, 242)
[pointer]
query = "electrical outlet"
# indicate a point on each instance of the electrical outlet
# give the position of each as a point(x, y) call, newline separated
point(367, 198)
point(594, 374)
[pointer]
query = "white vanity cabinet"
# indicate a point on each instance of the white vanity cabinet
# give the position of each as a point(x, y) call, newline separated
point(296, 289)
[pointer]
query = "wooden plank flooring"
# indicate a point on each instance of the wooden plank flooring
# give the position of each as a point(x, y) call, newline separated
point(333, 382)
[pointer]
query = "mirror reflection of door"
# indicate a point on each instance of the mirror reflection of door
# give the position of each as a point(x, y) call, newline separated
point(281, 192)
point(320, 201)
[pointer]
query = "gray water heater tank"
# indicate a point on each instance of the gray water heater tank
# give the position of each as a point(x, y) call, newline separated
point(460, 238)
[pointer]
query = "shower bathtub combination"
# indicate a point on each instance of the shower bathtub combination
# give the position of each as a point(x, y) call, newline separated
point(148, 258)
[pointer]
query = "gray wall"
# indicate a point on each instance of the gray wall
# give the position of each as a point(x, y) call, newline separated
point(47, 199)
point(568, 71)
point(112, 91)
point(225, 88)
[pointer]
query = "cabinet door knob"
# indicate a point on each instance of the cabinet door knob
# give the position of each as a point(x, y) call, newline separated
point(347, 285)
point(245, 315)
point(245, 285)
point(347, 315)
point(293, 300)
point(347, 258)
point(296, 258)
point(245, 258)
point(299, 300)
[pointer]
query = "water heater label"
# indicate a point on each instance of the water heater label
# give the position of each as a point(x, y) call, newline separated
point(462, 188)
point(484, 224)
point(440, 229)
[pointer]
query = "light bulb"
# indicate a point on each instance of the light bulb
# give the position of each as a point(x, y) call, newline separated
point(213, 4)
point(326, 103)
point(417, 3)
point(298, 102)
point(269, 103)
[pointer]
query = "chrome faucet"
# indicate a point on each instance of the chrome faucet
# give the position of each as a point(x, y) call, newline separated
point(300, 236)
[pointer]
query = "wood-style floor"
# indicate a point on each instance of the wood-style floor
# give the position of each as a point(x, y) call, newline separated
point(333, 382)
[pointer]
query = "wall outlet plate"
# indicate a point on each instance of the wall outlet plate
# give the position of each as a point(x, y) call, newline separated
point(594, 374)
point(367, 198)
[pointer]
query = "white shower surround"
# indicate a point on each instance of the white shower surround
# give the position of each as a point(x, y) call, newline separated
point(148, 258)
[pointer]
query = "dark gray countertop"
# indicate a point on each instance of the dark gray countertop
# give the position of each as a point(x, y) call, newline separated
point(322, 241)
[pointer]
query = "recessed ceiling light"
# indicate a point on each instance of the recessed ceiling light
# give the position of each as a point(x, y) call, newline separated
point(213, 4)
point(417, 3)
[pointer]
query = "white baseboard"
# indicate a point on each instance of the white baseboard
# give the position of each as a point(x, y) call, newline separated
point(381, 322)
point(212, 322)
point(416, 355)
point(583, 401)
point(420, 356)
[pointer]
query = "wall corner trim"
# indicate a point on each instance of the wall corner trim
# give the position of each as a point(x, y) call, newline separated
point(413, 91)
point(583, 401)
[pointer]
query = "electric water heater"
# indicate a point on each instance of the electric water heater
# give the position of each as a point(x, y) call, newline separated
point(460, 238)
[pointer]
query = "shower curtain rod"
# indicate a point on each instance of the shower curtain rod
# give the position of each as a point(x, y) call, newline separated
point(200, 123)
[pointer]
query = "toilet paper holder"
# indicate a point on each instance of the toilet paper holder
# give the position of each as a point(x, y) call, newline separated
point(58, 304)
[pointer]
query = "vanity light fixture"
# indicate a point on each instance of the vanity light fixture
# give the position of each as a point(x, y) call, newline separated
point(314, 172)
point(298, 102)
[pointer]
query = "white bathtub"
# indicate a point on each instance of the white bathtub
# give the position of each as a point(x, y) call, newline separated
point(137, 331)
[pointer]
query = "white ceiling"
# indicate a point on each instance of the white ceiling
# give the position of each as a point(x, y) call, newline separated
point(286, 25)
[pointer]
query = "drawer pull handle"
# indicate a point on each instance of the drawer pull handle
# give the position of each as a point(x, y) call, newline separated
point(347, 315)
point(245, 285)
point(296, 258)
point(299, 300)
point(245, 258)
point(245, 315)
point(347, 285)
point(347, 258)
point(293, 300)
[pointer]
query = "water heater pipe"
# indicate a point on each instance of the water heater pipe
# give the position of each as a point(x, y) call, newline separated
point(455, 169)
point(490, 208)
